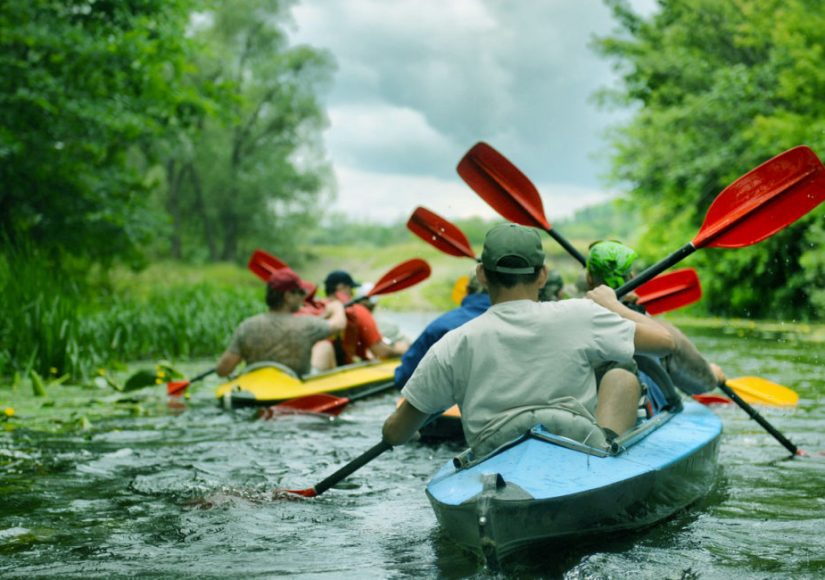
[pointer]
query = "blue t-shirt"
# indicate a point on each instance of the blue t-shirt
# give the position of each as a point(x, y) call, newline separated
point(472, 306)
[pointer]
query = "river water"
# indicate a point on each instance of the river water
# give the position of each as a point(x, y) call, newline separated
point(185, 492)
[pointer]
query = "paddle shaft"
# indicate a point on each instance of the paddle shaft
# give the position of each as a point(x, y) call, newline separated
point(202, 376)
point(567, 246)
point(351, 467)
point(760, 419)
point(656, 269)
point(358, 463)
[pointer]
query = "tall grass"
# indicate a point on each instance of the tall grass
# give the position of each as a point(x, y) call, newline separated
point(55, 325)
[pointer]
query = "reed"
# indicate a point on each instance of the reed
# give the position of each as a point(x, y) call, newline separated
point(56, 325)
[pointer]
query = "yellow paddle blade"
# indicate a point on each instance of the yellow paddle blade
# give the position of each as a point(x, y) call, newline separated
point(756, 390)
point(460, 289)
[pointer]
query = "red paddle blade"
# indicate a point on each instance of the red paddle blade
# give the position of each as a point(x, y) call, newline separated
point(712, 399)
point(290, 493)
point(503, 186)
point(670, 291)
point(263, 264)
point(404, 275)
point(175, 388)
point(764, 200)
point(320, 403)
point(438, 232)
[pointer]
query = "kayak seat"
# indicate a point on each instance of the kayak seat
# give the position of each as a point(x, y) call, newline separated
point(660, 389)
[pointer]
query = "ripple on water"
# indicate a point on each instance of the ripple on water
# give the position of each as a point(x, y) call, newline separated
point(173, 493)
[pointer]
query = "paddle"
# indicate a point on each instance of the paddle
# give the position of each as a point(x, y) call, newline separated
point(402, 276)
point(502, 185)
point(174, 388)
point(786, 443)
point(324, 402)
point(756, 390)
point(751, 209)
point(711, 399)
point(347, 469)
point(663, 294)
point(670, 291)
point(264, 264)
point(440, 233)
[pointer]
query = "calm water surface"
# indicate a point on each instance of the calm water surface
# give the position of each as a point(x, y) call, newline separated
point(186, 492)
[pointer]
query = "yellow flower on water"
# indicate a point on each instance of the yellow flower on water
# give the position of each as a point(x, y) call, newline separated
point(161, 374)
point(9, 412)
point(158, 381)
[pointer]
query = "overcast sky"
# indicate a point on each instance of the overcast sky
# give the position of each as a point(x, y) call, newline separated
point(419, 82)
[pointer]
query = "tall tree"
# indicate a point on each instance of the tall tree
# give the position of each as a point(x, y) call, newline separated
point(719, 87)
point(252, 174)
point(82, 84)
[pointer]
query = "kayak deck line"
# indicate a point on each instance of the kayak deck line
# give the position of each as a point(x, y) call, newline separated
point(545, 488)
point(269, 383)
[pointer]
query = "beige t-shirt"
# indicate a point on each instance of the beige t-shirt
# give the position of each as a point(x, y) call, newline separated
point(518, 357)
point(282, 338)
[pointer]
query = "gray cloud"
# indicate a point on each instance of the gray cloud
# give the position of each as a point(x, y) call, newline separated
point(419, 82)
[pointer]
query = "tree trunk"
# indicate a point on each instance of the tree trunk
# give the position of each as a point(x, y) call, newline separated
point(200, 208)
point(173, 178)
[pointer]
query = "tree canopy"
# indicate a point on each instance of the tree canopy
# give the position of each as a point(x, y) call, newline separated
point(183, 127)
point(720, 87)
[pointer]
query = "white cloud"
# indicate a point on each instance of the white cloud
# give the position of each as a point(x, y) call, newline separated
point(393, 197)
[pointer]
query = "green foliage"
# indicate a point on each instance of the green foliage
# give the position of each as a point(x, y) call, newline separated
point(721, 87)
point(249, 173)
point(55, 327)
point(611, 220)
point(82, 85)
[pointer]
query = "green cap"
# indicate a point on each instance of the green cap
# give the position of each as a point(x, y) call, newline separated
point(512, 241)
point(610, 262)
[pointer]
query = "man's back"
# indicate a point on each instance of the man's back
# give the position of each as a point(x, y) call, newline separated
point(472, 306)
point(283, 338)
point(517, 357)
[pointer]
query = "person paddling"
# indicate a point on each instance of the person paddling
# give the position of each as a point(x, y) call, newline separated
point(610, 263)
point(278, 335)
point(525, 362)
point(361, 338)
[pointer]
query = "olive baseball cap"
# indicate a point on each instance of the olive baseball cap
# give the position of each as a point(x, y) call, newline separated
point(512, 241)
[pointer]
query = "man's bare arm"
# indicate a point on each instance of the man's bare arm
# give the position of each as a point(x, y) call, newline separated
point(403, 424)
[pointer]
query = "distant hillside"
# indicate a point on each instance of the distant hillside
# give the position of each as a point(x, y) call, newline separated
point(611, 220)
point(608, 220)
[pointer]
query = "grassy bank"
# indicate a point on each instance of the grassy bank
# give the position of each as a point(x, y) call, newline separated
point(56, 330)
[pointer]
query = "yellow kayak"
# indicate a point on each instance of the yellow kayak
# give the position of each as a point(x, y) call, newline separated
point(268, 383)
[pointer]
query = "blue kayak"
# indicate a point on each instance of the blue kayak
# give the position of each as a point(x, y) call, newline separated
point(546, 488)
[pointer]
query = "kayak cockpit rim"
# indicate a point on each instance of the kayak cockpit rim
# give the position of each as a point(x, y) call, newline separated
point(466, 458)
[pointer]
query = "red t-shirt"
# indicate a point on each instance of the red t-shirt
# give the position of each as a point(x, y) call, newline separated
point(360, 334)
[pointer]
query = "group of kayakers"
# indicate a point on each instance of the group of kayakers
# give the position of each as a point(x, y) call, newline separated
point(308, 334)
point(512, 355)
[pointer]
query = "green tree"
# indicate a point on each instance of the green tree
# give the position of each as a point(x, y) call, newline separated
point(250, 174)
point(83, 84)
point(720, 87)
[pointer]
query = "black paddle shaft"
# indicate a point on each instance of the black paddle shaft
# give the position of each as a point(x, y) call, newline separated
point(351, 467)
point(760, 419)
point(656, 269)
point(202, 376)
point(567, 246)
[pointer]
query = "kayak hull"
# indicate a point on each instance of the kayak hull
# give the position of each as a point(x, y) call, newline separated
point(269, 383)
point(545, 488)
